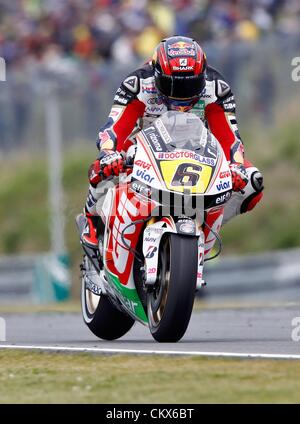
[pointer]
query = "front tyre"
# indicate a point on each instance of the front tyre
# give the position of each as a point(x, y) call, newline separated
point(103, 319)
point(170, 303)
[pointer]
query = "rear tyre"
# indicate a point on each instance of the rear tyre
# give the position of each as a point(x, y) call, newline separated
point(171, 301)
point(100, 315)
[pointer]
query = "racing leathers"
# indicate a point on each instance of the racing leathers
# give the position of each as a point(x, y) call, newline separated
point(138, 103)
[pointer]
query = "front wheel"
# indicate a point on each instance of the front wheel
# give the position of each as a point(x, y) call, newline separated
point(99, 314)
point(170, 303)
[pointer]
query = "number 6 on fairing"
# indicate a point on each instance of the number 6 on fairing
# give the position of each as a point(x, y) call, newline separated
point(184, 175)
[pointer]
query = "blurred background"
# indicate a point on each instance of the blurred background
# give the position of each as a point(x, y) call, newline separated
point(65, 59)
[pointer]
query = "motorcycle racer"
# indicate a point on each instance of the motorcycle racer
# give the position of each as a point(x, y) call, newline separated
point(176, 78)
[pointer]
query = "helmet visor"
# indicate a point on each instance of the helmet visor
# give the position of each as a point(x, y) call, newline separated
point(180, 87)
point(181, 105)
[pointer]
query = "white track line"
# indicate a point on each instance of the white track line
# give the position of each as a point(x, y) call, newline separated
point(151, 352)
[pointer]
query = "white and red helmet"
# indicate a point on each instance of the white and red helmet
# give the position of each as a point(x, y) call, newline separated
point(179, 69)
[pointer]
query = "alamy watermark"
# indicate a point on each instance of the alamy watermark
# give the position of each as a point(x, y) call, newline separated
point(2, 330)
point(296, 330)
point(295, 75)
point(156, 202)
point(2, 69)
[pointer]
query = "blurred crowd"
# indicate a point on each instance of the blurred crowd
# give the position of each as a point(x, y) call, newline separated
point(124, 30)
point(87, 46)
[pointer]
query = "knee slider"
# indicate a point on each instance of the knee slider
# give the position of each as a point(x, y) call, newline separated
point(253, 193)
point(257, 181)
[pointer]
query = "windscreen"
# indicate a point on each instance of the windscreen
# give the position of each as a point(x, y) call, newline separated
point(181, 130)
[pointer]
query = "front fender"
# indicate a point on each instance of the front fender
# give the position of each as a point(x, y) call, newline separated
point(152, 236)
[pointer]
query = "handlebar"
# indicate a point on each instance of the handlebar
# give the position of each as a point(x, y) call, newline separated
point(129, 162)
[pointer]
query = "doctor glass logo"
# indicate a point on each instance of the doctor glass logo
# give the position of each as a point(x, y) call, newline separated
point(2, 69)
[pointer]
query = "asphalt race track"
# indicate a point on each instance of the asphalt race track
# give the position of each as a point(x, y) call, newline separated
point(262, 331)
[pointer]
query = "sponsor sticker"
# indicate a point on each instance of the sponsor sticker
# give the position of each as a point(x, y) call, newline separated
point(155, 109)
point(121, 100)
point(229, 106)
point(223, 185)
point(181, 64)
point(148, 88)
point(199, 109)
point(146, 177)
point(163, 131)
point(116, 112)
point(181, 52)
point(222, 88)
point(183, 68)
point(223, 198)
point(225, 174)
point(131, 83)
point(155, 101)
point(181, 45)
point(109, 158)
point(151, 252)
point(106, 142)
point(143, 164)
point(183, 154)
point(150, 239)
point(93, 287)
point(154, 139)
point(141, 188)
point(205, 95)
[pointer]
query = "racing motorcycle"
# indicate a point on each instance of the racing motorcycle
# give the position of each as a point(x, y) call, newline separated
point(158, 226)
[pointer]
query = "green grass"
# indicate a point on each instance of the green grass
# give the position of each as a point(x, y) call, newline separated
point(73, 306)
point(70, 306)
point(63, 378)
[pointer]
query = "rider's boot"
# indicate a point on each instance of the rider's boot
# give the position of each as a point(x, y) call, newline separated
point(89, 234)
point(248, 199)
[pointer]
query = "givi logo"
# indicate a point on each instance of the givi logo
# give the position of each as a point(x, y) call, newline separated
point(225, 174)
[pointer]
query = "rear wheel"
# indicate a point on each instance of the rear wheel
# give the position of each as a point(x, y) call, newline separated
point(100, 315)
point(170, 303)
